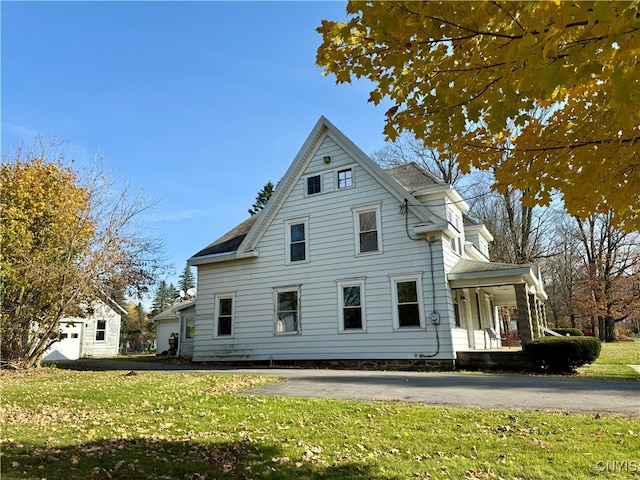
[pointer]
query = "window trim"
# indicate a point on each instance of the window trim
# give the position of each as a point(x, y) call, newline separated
point(417, 278)
point(105, 329)
point(377, 208)
point(353, 282)
point(285, 289)
point(216, 315)
point(287, 234)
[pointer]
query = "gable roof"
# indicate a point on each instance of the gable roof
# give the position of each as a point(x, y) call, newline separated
point(240, 241)
point(322, 129)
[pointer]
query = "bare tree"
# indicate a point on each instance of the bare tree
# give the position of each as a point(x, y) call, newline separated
point(520, 232)
point(67, 240)
point(407, 148)
point(561, 271)
point(610, 257)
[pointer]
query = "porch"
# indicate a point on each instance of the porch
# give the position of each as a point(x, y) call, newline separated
point(480, 288)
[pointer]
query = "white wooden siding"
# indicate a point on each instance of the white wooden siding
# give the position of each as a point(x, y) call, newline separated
point(332, 257)
point(109, 346)
point(164, 329)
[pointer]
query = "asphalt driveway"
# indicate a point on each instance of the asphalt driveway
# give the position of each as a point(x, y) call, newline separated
point(442, 388)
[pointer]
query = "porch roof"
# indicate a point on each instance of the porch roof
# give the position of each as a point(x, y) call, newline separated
point(475, 274)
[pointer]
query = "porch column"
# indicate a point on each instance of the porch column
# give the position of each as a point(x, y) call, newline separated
point(524, 313)
point(543, 313)
point(535, 316)
point(466, 301)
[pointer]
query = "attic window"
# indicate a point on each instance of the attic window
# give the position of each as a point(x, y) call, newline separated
point(345, 178)
point(314, 185)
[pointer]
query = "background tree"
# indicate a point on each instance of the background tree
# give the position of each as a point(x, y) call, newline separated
point(163, 298)
point(561, 272)
point(611, 258)
point(187, 279)
point(470, 74)
point(262, 198)
point(520, 231)
point(137, 331)
point(406, 148)
point(65, 242)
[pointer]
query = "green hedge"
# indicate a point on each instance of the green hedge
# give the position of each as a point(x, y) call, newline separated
point(572, 332)
point(562, 354)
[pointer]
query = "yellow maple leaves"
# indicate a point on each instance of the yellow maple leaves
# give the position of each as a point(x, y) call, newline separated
point(471, 74)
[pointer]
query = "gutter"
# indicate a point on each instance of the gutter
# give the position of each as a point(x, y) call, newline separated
point(222, 257)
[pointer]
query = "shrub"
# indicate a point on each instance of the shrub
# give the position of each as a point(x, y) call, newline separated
point(562, 354)
point(572, 332)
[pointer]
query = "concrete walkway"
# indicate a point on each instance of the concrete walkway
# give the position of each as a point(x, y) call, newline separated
point(528, 392)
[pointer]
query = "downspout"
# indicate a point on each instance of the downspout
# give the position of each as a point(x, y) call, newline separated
point(180, 333)
point(435, 316)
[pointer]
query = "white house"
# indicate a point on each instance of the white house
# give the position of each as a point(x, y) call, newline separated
point(176, 321)
point(96, 335)
point(349, 262)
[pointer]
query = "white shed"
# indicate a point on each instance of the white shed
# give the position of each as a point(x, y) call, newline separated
point(96, 335)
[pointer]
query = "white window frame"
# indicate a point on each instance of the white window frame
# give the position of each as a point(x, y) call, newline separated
point(356, 224)
point(354, 282)
point(276, 292)
point(337, 178)
point(417, 278)
point(306, 184)
point(216, 322)
point(287, 234)
point(105, 330)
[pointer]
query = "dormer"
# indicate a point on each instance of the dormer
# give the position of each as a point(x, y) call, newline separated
point(478, 239)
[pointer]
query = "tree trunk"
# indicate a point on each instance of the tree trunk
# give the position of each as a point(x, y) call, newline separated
point(602, 329)
point(610, 330)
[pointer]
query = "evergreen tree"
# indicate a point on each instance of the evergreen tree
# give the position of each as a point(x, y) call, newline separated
point(187, 279)
point(164, 297)
point(263, 197)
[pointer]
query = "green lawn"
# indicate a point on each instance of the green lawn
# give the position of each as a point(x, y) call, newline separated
point(61, 424)
point(614, 360)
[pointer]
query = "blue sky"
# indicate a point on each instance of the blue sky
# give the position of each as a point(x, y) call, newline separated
point(196, 104)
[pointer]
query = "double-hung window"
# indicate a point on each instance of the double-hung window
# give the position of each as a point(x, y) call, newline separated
point(408, 310)
point(224, 315)
point(367, 227)
point(287, 310)
point(101, 330)
point(351, 305)
point(297, 241)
